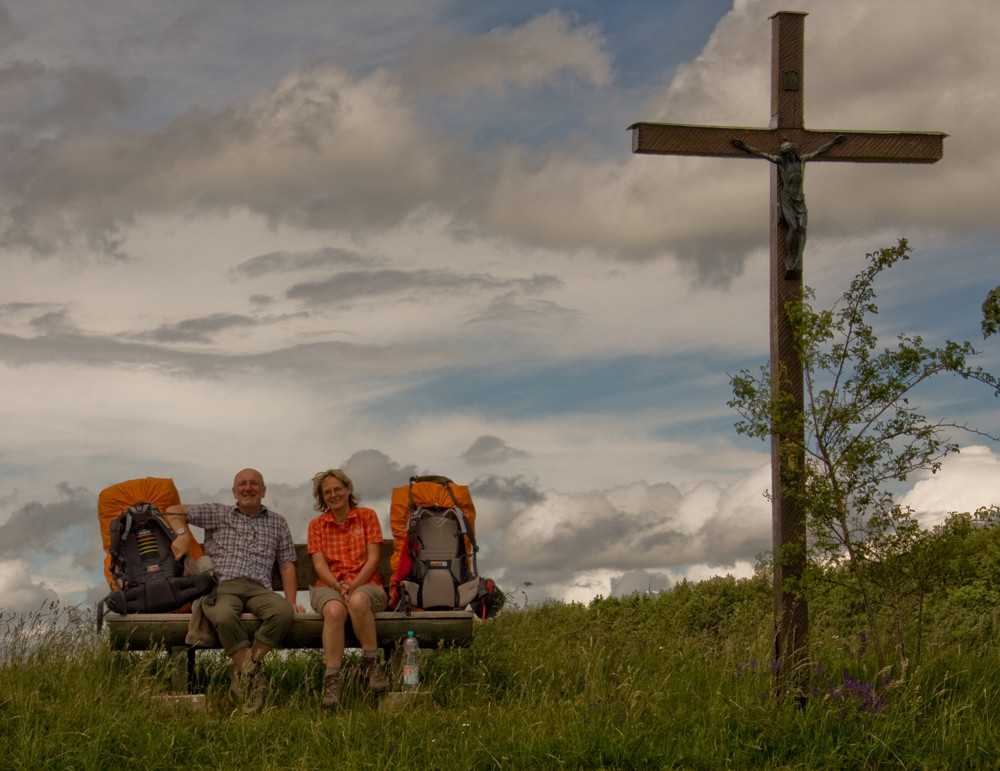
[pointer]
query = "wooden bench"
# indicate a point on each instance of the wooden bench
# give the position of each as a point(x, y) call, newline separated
point(151, 631)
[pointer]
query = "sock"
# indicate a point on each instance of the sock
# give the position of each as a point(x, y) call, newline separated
point(332, 670)
point(371, 654)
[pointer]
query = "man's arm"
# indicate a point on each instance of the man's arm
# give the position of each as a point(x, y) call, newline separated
point(176, 517)
point(290, 585)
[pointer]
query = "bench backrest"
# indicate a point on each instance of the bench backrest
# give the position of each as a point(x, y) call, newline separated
point(305, 573)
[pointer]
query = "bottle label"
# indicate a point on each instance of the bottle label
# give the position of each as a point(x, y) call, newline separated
point(411, 675)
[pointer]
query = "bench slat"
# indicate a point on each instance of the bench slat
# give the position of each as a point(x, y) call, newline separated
point(144, 631)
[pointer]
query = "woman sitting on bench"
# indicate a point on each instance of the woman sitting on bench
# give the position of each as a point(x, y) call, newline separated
point(344, 543)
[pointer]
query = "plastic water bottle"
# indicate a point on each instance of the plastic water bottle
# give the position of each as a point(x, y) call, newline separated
point(411, 663)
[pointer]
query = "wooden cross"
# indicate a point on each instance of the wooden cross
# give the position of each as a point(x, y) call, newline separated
point(791, 618)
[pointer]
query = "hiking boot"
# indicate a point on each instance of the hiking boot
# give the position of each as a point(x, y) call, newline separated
point(376, 678)
point(333, 686)
point(234, 682)
point(254, 690)
point(248, 686)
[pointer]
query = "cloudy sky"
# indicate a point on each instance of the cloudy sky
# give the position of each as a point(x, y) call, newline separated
point(410, 238)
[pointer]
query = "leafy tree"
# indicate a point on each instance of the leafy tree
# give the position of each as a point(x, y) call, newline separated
point(863, 436)
point(991, 313)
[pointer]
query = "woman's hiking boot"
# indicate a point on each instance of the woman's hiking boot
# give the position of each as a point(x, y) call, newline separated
point(376, 677)
point(333, 686)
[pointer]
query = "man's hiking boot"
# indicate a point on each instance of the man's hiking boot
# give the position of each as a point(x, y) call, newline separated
point(333, 686)
point(234, 682)
point(376, 677)
point(248, 685)
point(255, 689)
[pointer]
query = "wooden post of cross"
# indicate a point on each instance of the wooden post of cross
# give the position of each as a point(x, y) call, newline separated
point(791, 620)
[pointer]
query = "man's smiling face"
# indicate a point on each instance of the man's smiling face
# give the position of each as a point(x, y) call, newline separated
point(249, 489)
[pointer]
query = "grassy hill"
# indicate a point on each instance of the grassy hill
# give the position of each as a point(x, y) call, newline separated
point(679, 680)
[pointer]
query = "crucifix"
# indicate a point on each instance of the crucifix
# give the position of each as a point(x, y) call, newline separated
point(781, 143)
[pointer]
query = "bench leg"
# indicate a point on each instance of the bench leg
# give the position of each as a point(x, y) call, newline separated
point(181, 665)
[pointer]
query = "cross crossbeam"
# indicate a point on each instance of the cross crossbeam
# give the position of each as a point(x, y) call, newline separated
point(787, 131)
point(717, 142)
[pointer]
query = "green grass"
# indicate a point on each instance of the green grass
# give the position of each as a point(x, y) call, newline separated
point(679, 681)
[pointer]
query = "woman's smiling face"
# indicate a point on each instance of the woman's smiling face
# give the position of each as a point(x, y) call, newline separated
point(336, 494)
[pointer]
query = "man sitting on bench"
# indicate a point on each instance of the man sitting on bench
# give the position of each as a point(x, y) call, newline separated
point(244, 541)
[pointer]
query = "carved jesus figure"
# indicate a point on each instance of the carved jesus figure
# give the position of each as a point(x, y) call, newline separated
point(792, 213)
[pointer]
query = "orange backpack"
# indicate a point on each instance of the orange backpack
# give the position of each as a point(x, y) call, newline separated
point(433, 508)
point(114, 500)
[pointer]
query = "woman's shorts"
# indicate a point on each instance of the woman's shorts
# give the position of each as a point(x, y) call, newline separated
point(321, 595)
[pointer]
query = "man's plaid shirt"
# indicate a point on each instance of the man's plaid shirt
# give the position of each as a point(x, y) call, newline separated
point(345, 547)
point(242, 546)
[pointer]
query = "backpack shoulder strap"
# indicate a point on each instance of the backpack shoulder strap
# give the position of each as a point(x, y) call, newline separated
point(463, 526)
point(122, 530)
point(158, 519)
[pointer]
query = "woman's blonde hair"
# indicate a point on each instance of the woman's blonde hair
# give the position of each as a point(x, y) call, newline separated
point(321, 477)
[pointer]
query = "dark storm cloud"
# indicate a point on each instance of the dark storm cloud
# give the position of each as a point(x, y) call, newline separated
point(48, 527)
point(21, 593)
point(273, 153)
point(44, 102)
point(287, 262)
point(83, 95)
point(515, 492)
point(639, 582)
point(18, 84)
point(52, 322)
point(640, 532)
point(374, 473)
point(19, 307)
point(714, 259)
point(305, 360)
point(354, 284)
point(490, 449)
point(510, 309)
point(8, 31)
point(197, 330)
point(609, 539)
